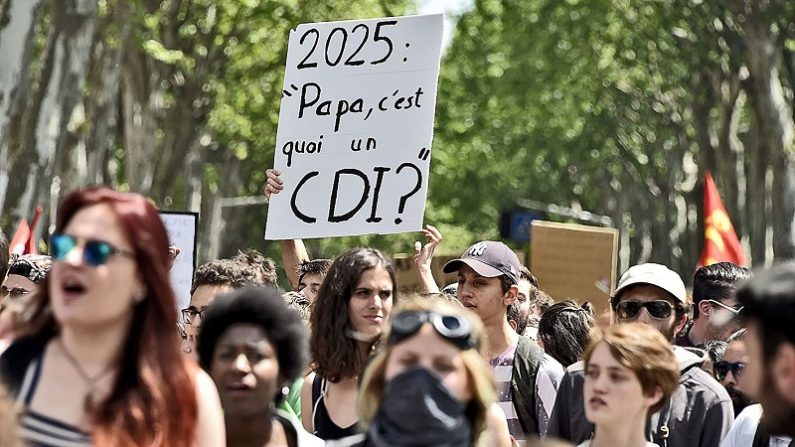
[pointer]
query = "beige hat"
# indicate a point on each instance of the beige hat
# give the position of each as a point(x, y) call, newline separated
point(656, 275)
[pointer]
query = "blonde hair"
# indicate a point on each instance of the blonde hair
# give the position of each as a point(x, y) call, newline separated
point(646, 352)
point(371, 391)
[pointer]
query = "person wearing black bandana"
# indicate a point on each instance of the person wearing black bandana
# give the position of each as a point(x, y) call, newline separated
point(429, 385)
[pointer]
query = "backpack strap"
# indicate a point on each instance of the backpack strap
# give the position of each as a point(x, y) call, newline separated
point(526, 361)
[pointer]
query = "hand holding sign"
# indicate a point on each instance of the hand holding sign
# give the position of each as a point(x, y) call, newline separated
point(355, 128)
point(274, 183)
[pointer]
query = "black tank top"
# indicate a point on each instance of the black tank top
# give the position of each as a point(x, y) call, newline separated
point(322, 425)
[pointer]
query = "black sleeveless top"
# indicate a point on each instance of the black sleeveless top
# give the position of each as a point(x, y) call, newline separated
point(322, 425)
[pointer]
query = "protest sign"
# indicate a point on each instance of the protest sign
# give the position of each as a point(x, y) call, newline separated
point(574, 261)
point(408, 278)
point(181, 227)
point(355, 127)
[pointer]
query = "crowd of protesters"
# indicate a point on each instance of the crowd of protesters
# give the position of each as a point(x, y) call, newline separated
point(95, 352)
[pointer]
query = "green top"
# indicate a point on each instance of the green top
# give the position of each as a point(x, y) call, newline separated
point(292, 404)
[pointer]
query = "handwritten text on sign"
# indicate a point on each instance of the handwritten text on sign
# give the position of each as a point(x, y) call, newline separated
point(181, 227)
point(355, 127)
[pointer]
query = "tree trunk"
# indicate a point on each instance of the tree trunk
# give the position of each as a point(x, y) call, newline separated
point(17, 25)
point(138, 122)
point(62, 93)
point(774, 116)
point(102, 109)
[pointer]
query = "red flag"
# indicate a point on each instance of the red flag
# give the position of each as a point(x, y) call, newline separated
point(31, 246)
point(24, 240)
point(20, 240)
point(720, 240)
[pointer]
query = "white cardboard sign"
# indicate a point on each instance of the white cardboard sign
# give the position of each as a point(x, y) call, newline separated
point(181, 227)
point(355, 127)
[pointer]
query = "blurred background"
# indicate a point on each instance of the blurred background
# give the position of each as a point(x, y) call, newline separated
point(601, 112)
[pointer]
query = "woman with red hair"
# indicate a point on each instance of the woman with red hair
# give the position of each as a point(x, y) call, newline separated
point(99, 363)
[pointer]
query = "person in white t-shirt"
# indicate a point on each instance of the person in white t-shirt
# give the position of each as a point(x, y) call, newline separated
point(746, 432)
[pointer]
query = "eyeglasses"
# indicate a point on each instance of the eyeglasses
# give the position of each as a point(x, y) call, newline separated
point(658, 309)
point(189, 313)
point(734, 310)
point(724, 314)
point(454, 328)
point(14, 293)
point(722, 369)
point(95, 252)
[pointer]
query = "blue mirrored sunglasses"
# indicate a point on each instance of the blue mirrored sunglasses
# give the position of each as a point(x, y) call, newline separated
point(94, 252)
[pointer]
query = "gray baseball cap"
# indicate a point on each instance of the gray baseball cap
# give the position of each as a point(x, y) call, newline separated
point(489, 259)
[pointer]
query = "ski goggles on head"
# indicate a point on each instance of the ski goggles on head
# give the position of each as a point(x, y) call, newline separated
point(95, 252)
point(657, 309)
point(722, 369)
point(453, 328)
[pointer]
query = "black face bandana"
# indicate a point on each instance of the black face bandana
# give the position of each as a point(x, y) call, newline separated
point(418, 410)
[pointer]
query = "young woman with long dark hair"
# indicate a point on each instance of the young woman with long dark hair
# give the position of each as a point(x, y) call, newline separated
point(352, 304)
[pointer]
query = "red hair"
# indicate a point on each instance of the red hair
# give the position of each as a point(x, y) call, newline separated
point(153, 402)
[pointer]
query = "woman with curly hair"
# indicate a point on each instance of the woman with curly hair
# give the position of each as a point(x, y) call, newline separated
point(253, 346)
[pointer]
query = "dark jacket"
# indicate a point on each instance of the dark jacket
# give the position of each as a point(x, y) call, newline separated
point(526, 361)
point(699, 414)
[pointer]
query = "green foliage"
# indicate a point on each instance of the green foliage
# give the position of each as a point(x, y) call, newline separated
point(562, 102)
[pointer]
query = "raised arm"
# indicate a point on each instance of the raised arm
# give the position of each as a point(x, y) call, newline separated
point(293, 250)
point(423, 254)
point(293, 253)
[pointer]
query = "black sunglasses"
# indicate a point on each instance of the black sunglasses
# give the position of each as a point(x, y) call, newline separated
point(723, 368)
point(453, 328)
point(15, 292)
point(95, 252)
point(658, 309)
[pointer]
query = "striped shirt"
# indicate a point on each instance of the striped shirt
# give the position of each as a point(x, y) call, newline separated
point(548, 377)
point(39, 430)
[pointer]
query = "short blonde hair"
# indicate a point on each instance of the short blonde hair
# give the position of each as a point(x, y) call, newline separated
point(646, 352)
point(373, 381)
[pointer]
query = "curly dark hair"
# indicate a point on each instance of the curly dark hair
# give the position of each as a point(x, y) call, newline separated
point(542, 300)
point(264, 268)
point(513, 314)
point(297, 302)
point(335, 355)
point(248, 267)
point(314, 267)
point(524, 273)
point(263, 307)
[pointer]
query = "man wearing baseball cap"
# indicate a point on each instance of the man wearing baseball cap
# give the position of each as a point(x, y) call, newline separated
point(527, 379)
point(700, 411)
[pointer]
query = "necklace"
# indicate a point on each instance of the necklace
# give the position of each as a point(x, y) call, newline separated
point(90, 381)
